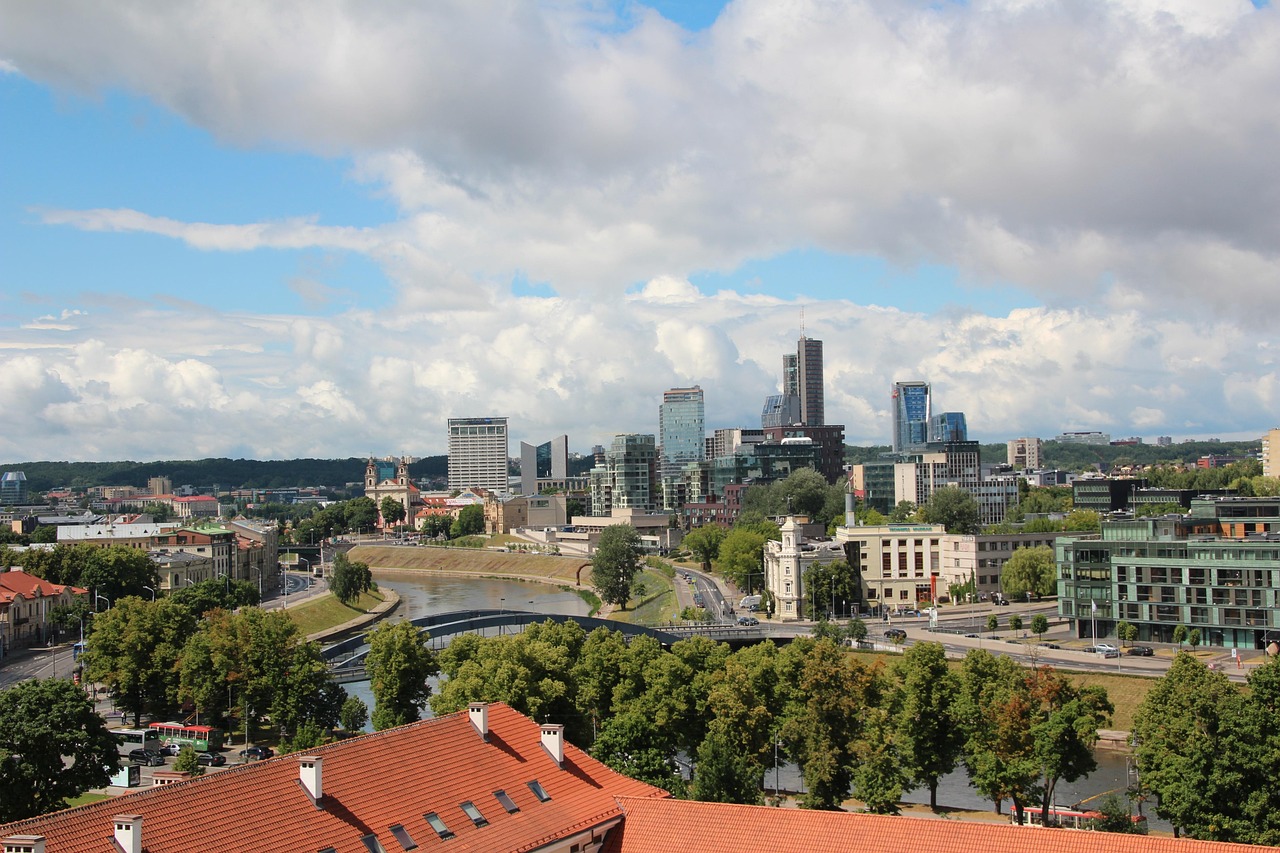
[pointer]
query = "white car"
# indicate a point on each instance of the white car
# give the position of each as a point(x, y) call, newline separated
point(1105, 648)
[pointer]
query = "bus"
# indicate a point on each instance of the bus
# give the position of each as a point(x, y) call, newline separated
point(203, 738)
point(131, 739)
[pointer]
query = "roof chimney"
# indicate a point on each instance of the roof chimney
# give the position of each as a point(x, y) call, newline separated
point(553, 741)
point(129, 832)
point(23, 844)
point(479, 714)
point(309, 773)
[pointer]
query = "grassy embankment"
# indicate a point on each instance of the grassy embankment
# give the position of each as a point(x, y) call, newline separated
point(658, 602)
point(326, 611)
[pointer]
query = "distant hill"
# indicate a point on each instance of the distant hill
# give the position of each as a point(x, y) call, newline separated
point(329, 474)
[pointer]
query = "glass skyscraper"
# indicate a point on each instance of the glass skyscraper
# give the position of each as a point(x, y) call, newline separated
point(910, 416)
point(681, 429)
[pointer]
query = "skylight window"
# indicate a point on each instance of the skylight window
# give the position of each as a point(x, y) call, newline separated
point(474, 813)
point(539, 791)
point(402, 835)
point(371, 843)
point(438, 825)
point(506, 802)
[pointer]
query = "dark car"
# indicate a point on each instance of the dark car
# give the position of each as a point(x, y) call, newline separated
point(748, 620)
point(895, 634)
point(210, 759)
point(256, 753)
point(1141, 651)
point(146, 757)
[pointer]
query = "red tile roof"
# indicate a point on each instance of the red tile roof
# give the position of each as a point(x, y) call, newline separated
point(369, 784)
point(30, 586)
point(674, 826)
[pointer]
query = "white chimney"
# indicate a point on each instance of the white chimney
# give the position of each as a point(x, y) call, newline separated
point(309, 773)
point(479, 714)
point(553, 741)
point(23, 844)
point(129, 832)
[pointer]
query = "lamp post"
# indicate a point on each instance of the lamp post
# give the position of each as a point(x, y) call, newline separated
point(150, 590)
point(97, 598)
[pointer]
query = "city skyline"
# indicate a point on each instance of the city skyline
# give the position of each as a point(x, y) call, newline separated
point(316, 230)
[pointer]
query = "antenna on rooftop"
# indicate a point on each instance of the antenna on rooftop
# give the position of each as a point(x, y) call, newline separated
point(802, 321)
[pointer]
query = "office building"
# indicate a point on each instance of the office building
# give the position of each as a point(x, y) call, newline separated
point(910, 416)
point(948, 427)
point(1270, 453)
point(681, 429)
point(828, 439)
point(1024, 453)
point(1215, 569)
point(809, 369)
point(627, 477)
point(546, 461)
point(13, 488)
point(1083, 438)
point(780, 410)
point(478, 454)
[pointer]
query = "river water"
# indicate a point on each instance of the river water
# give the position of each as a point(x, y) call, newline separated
point(424, 594)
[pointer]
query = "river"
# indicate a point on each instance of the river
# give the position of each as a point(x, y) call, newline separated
point(424, 594)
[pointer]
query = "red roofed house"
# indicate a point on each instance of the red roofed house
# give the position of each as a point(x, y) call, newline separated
point(488, 780)
point(25, 605)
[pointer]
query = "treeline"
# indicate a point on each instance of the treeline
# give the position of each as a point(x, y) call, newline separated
point(329, 474)
point(854, 725)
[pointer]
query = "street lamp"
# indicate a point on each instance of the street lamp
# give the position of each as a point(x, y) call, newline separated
point(150, 590)
point(97, 597)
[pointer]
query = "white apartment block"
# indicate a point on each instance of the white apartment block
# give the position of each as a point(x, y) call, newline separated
point(478, 454)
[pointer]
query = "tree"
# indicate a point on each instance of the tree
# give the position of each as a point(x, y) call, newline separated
point(1029, 569)
point(930, 739)
point(186, 762)
point(211, 593)
point(1127, 632)
point(723, 773)
point(1039, 625)
point(1193, 637)
point(360, 514)
point(856, 630)
point(954, 508)
point(354, 714)
point(399, 664)
point(134, 649)
point(993, 623)
point(1015, 623)
point(1116, 816)
point(1180, 634)
point(902, 511)
point(392, 511)
point(996, 720)
point(470, 522)
point(350, 578)
point(43, 723)
point(615, 563)
point(742, 555)
point(1064, 728)
point(633, 744)
point(1082, 521)
point(704, 542)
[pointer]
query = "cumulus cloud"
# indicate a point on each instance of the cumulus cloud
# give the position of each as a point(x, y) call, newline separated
point(1112, 158)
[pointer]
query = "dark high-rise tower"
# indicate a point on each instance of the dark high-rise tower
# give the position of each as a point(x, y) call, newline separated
point(809, 369)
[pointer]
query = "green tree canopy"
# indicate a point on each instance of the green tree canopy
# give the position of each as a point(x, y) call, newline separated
point(742, 557)
point(705, 542)
point(134, 649)
point(43, 723)
point(392, 511)
point(723, 773)
point(1029, 569)
point(954, 508)
point(615, 563)
point(930, 739)
point(350, 578)
point(470, 522)
point(399, 663)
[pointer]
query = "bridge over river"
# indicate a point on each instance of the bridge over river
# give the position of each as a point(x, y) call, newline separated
point(346, 658)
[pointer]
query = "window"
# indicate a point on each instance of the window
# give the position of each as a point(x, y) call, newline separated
point(539, 791)
point(474, 813)
point(506, 802)
point(438, 825)
point(402, 835)
point(371, 843)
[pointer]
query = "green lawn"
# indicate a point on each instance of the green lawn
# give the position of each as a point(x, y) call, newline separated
point(657, 605)
point(85, 799)
point(327, 611)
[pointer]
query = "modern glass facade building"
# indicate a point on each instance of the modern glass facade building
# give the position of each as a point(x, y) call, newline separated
point(948, 427)
point(13, 488)
point(546, 461)
point(625, 480)
point(681, 429)
point(910, 416)
point(780, 410)
point(478, 454)
point(813, 410)
point(1215, 569)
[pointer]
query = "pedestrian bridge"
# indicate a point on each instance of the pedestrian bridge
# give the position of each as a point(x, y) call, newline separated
point(346, 658)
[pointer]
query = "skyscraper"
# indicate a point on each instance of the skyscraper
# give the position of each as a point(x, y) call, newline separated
point(910, 416)
point(478, 452)
point(625, 480)
point(681, 429)
point(546, 461)
point(809, 367)
point(948, 427)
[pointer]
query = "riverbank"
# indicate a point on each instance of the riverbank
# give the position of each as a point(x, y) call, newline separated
point(573, 571)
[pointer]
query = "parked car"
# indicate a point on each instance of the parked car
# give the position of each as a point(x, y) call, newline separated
point(748, 620)
point(1141, 651)
point(146, 757)
point(170, 748)
point(210, 759)
point(256, 753)
point(895, 634)
point(1103, 649)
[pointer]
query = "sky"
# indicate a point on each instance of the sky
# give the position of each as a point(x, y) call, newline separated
point(321, 228)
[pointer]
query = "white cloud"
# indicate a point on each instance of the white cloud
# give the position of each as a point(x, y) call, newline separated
point(1114, 159)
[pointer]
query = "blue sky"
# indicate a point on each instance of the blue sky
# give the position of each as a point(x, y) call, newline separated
point(217, 228)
